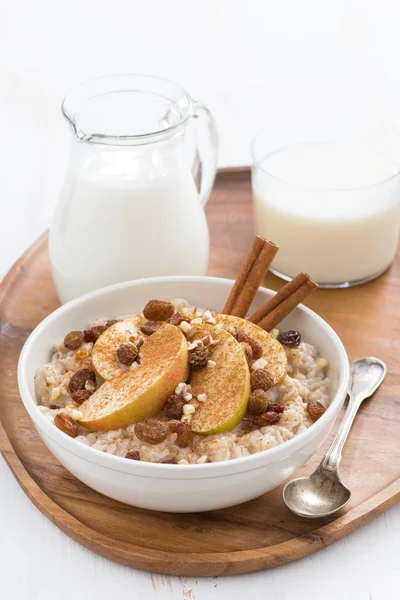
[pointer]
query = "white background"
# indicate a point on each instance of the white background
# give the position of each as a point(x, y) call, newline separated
point(250, 62)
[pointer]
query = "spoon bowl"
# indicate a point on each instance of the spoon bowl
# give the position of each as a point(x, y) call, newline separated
point(323, 493)
point(316, 496)
point(366, 375)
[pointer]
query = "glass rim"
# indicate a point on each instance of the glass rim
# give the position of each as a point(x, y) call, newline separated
point(257, 162)
point(68, 109)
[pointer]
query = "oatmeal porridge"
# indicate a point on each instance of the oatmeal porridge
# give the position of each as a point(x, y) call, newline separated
point(236, 389)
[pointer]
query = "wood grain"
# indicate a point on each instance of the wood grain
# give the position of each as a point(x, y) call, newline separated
point(256, 535)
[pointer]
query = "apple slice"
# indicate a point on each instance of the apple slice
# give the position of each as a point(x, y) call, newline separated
point(140, 393)
point(273, 352)
point(104, 354)
point(226, 385)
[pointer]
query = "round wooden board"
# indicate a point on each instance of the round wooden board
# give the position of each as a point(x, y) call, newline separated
point(256, 535)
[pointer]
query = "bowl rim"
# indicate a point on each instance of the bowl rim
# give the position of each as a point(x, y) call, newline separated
point(149, 469)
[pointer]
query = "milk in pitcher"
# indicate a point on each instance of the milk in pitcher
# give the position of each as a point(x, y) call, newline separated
point(122, 217)
point(129, 207)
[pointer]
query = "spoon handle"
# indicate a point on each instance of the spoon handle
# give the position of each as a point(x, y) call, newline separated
point(333, 457)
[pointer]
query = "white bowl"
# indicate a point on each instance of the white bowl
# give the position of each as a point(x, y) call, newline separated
point(176, 488)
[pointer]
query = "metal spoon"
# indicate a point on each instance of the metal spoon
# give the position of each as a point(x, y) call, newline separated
point(323, 493)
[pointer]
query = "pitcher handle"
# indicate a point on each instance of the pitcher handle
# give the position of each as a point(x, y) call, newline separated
point(208, 151)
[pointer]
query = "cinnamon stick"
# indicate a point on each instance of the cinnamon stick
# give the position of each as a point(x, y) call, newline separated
point(250, 277)
point(283, 302)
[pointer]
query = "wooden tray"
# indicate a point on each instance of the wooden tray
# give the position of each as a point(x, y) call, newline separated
point(256, 535)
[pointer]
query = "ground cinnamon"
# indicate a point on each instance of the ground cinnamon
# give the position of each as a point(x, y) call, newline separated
point(251, 275)
point(283, 302)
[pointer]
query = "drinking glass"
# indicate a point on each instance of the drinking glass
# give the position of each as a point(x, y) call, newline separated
point(326, 190)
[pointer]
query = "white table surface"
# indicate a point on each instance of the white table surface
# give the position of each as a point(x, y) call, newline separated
point(250, 62)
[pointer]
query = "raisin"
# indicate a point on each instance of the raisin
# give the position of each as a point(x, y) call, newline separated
point(151, 431)
point(315, 409)
point(242, 336)
point(158, 310)
point(290, 338)
point(66, 424)
point(79, 379)
point(199, 358)
point(268, 418)
point(127, 354)
point(98, 330)
point(177, 319)
point(258, 402)
point(248, 351)
point(276, 407)
point(80, 396)
point(54, 407)
point(171, 461)
point(173, 408)
point(73, 340)
point(111, 322)
point(133, 455)
point(183, 431)
point(150, 327)
point(90, 336)
point(261, 379)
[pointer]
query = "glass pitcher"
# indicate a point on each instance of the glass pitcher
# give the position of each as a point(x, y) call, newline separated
point(130, 206)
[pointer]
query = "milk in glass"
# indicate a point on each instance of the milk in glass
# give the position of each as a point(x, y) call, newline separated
point(332, 208)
